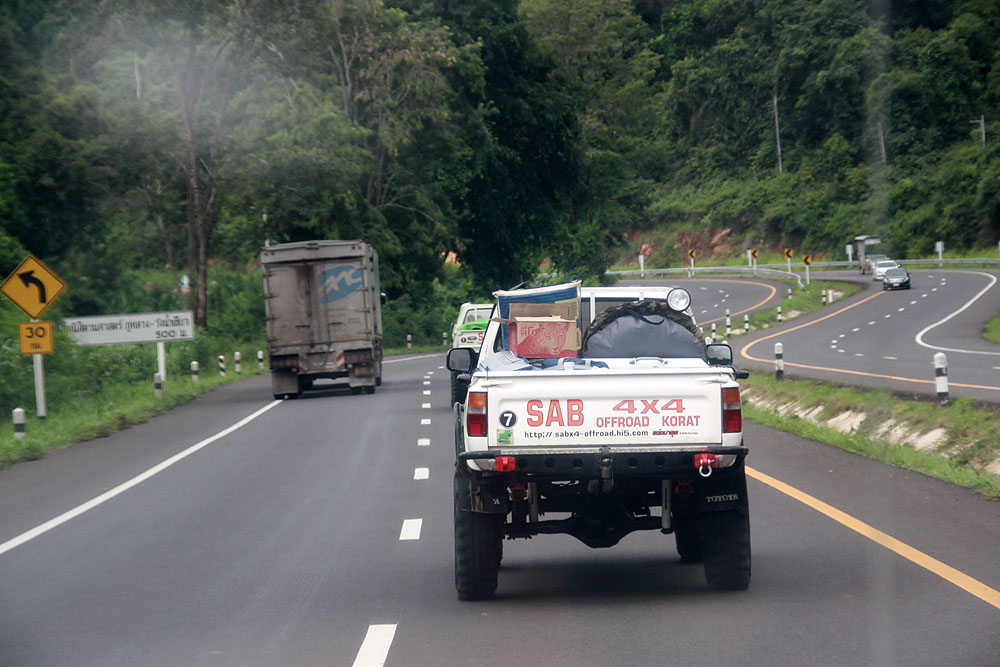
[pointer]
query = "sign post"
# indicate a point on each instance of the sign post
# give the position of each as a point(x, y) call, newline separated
point(788, 257)
point(807, 260)
point(849, 249)
point(33, 288)
point(691, 254)
point(642, 265)
point(939, 249)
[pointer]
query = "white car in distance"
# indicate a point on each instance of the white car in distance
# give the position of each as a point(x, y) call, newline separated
point(878, 272)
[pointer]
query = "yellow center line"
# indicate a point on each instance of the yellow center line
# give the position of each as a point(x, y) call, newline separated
point(960, 579)
point(774, 290)
point(898, 378)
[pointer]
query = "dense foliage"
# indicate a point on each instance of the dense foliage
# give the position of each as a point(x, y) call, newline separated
point(171, 137)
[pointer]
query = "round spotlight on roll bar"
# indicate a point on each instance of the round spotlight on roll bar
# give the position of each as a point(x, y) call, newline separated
point(678, 299)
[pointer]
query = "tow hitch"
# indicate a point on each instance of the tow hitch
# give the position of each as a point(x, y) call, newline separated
point(704, 462)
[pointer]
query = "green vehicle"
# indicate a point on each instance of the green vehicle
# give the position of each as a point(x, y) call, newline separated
point(467, 332)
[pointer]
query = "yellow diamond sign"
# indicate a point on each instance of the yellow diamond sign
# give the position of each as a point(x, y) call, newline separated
point(32, 286)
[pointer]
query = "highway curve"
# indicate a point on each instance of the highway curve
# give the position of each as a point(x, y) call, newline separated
point(888, 340)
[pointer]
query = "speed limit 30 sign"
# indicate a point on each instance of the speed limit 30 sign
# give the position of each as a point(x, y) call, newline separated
point(35, 337)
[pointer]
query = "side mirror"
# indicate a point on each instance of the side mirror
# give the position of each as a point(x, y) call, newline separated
point(742, 374)
point(460, 360)
point(719, 354)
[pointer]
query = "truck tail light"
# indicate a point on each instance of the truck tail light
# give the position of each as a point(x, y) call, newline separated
point(475, 414)
point(732, 410)
point(357, 356)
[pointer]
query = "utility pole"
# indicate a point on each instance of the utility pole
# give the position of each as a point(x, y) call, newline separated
point(981, 122)
point(777, 135)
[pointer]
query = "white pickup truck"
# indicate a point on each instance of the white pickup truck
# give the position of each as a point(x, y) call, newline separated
point(641, 431)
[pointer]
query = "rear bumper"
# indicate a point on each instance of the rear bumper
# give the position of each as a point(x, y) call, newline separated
point(674, 464)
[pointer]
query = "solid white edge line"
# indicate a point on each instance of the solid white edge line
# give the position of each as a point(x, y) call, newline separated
point(125, 486)
point(410, 529)
point(920, 335)
point(375, 647)
point(423, 356)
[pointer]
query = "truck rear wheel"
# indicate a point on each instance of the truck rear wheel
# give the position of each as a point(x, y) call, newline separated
point(478, 547)
point(727, 549)
point(458, 389)
point(688, 537)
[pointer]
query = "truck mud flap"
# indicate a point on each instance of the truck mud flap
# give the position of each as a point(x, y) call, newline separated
point(725, 490)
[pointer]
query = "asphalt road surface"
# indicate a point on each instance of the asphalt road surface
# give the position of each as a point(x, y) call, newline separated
point(881, 339)
point(319, 532)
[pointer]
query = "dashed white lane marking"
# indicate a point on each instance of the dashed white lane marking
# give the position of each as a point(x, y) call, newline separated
point(856, 329)
point(888, 315)
point(934, 289)
point(703, 289)
point(899, 310)
point(427, 377)
point(858, 354)
point(919, 338)
point(375, 648)
point(923, 296)
point(426, 382)
point(425, 406)
point(891, 358)
point(839, 350)
point(423, 442)
point(703, 312)
point(715, 305)
point(913, 303)
point(125, 486)
point(427, 392)
point(841, 335)
point(425, 422)
point(421, 473)
point(834, 341)
point(871, 323)
point(410, 529)
point(440, 367)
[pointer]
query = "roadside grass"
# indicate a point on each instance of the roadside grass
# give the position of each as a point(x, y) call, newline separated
point(83, 416)
point(991, 330)
point(972, 427)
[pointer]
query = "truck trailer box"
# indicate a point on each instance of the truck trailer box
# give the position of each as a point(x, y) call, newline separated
point(324, 314)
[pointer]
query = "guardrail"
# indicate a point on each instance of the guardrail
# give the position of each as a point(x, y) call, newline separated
point(744, 271)
point(776, 271)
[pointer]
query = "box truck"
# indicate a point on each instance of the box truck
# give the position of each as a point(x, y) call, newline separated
point(324, 315)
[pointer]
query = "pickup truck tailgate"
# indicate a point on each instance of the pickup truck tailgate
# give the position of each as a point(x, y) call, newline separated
point(604, 407)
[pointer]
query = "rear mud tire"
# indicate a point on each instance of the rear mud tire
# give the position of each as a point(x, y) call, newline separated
point(727, 549)
point(687, 535)
point(478, 548)
point(458, 389)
